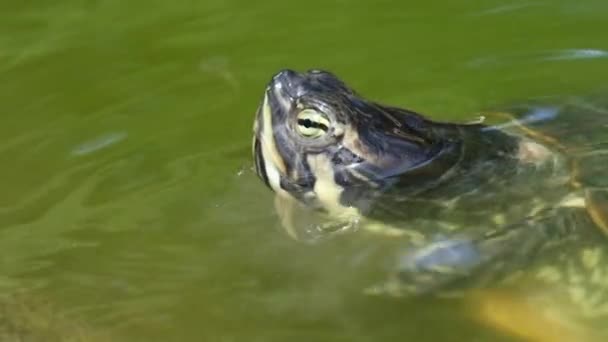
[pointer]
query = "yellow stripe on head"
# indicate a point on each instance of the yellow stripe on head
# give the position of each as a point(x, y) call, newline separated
point(273, 161)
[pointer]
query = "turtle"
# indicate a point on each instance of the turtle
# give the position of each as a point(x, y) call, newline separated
point(474, 209)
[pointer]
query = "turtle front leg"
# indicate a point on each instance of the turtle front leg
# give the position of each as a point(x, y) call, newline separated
point(308, 225)
point(534, 314)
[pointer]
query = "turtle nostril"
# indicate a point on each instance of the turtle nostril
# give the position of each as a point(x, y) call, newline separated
point(286, 78)
point(286, 82)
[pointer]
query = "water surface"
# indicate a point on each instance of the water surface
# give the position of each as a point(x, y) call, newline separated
point(127, 195)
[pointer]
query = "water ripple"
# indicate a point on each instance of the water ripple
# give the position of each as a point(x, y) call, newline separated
point(540, 56)
point(99, 143)
point(507, 8)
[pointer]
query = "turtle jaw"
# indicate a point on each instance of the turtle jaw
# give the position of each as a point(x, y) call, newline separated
point(273, 149)
point(269, 163)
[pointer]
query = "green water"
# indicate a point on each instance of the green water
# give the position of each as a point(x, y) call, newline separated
point(127, 197)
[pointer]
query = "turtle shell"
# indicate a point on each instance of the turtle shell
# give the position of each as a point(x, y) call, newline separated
point(578, 128)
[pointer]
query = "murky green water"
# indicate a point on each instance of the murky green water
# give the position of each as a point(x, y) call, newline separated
point(127, 197)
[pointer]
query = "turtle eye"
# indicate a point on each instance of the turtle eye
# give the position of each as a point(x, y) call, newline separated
point(312, 124)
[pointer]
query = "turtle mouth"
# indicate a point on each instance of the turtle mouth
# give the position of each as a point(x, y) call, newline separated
point(269, 162)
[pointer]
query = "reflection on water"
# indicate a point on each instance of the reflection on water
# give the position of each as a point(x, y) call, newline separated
point(539, 57)
point(99, 143)
point(128, 199)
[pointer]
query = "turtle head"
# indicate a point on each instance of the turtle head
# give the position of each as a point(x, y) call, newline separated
point(316, 137)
